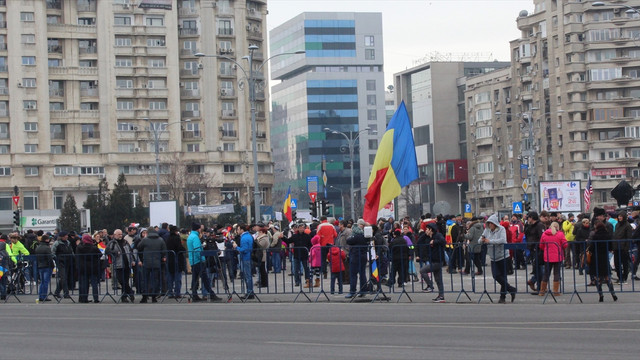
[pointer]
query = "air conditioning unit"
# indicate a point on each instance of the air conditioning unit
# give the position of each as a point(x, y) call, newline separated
point(499, 156)
point(136, 150)
point(181, 84)
point(616, 10)
point(219, 148)
point(126, 6)
point(252, 10)
point(248, 27)
point(560, 143)
point(101, 176)
point(561, 164)
point(221, 128)
point(223, 92)
point(161, 149)
point(134, 128)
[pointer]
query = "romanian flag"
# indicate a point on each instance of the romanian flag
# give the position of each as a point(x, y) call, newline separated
point(101, 247)
point(374, 270)
point(395, 165)
point(287, 206)
point(2, 271)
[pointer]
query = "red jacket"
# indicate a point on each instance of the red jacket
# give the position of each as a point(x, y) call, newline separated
point(553, 246)
point(327, 233)
point(336, 257)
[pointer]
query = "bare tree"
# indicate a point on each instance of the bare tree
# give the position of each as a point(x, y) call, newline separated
point(411, 195)
point(183, 178)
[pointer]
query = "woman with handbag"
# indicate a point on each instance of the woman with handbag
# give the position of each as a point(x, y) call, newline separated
point(599, 267)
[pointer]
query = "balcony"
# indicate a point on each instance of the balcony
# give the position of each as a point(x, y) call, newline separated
point(88, 50)
point(190, 93)
point(54, 49)
point(73, 70)
point(190, 114)
point(70, 116)
point(4, 91)
point(59, 30)
point(228, 113)
point(188, 72)
point(56, 92)
point(91, 7)
point(188, 52)
point(225, 32)
point(91, 92)
point(229, 133)
point(188, 32)
point(57, 136)
point(187, 11)
point(227, 93)
point(227, 72)
point(55, 5)
point(261, 134)
point(191, 135)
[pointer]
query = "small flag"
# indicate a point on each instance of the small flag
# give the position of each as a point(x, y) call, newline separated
point(101, 247)
point(286, 209)
point(2, 271)
point(374, 270)
point(587, 194)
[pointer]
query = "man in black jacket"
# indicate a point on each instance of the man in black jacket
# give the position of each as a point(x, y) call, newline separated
point(437, 244)
point(63, 255)
point(301, 246)
point(154, 251)
point(399, 259)
point(359, 248)
point(533, 232)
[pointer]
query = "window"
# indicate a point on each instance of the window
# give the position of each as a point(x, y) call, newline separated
point(26, 16)
point(28, 60)
point(485, 167)
point(123, 41)
point(65, 170)
point(228, 146)
point(484, 132)
point(156, 41)
point(5, 171)
point(4, 130)
point(124, 83)
point(30, 200)
point(125, 105)
point(90, 149)
point(483, 115)
point(231, 168)
point(5, 198)
point(224, 27)
point(193, 147)
point(91, 170)
point(155, 21)
point(123, 62)
point(369, 54)
point(28, 39)
point(56, 131)
point(371, 100)
point(29, 105)
point(369, 40)
point(122, 20)
point(158, 62)
point(58, 200)
point(54, 63)
point(30, 148)
point(158, 105)
point(195, 197)
point(53, 19)
point(87, 63)
point(30, 171)
point(57, 149)
point(125, 126)
point(632, 132)
point(372, 115)
point(195, 169)
point(229, 195)
point(31, 126)
point(28, 82)
point(371, 85)
point(483, 97)
point(86, 21)
point(126, 147)
point(373, 144)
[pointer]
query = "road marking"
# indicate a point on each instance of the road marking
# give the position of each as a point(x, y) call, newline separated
point(347, 345)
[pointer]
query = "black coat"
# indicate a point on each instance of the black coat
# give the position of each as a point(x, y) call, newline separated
point(44, 256)
point(599, 247)
point(359, 248)
point(399, 248)
point(301, 245)
point(88, 259)
point(176, 260)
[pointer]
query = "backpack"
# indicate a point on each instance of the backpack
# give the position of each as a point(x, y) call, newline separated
point(256, 253)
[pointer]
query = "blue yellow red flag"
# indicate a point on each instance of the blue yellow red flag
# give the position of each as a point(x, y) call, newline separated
point(286, 209)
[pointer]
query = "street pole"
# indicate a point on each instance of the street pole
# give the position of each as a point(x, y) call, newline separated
point(156, 140)
point(459, 198)
point(250, 76)
point(532, 164)
point(341, 198)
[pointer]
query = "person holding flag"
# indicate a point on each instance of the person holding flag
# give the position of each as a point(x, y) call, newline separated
point(394, 167)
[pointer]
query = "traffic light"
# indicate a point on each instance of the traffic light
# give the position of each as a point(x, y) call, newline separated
point(324, 208)
point(313, 208)
point(527, 205)
point(16, 217)
point(293, 216)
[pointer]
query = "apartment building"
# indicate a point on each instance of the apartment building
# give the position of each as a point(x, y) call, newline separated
point(93, 89)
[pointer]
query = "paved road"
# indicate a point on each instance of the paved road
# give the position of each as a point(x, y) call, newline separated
point(320, 331)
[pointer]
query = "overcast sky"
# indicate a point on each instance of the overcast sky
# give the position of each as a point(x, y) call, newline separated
point(416, 29)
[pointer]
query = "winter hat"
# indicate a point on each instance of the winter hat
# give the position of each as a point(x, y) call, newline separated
point(598, 211)
point(433, 227)
point(86, 239)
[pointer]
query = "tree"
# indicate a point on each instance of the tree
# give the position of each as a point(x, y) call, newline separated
point(97, 204)
point(238, 216)
point(183, 179)
point(69, 215)
point(120, 208)
point(411, 195)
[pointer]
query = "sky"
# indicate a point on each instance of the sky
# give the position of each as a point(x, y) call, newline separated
point(416, 30)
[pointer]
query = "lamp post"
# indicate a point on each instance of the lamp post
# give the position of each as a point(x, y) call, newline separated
point(459, 198)
point(630, 10)
point(351, 142)
point(341, 197)
point(250, 77)
point(531, 153)
point(156, 127)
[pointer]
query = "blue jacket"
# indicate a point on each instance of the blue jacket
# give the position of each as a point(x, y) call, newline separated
point(246, 246)
point(194, 247)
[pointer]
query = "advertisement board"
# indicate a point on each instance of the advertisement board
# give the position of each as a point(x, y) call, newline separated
point(560, 196)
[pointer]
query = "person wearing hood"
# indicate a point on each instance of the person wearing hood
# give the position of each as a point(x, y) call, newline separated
point(599, 267)
point(88, 268)
point(399, 248)
point(552, 243)
point(314, 259)
point(437, 245)
point(5, 261)
point(153, 250)
point(474, 233)
point(495, 236)
point(176, 263)
point(62, 254)
point(533, 232)
point(622, 236)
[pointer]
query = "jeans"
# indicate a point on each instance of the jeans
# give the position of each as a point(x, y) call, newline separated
point(84, 280)
point(175, 283)
point(297, 263)
point(45, 279)
point(336, 276)
point(277, 261)
point(399, 267)
point(198, 271)
point(436, 269)
point(499, 270)
point(357, 267)
point(152, 279)
point(245, 267)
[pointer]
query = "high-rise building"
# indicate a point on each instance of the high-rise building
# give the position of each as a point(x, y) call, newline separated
point(434, 96)
point(93, 89)
point(337, 85)
point(574, 101)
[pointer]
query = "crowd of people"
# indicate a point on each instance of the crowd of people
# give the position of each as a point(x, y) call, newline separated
point(366, 257)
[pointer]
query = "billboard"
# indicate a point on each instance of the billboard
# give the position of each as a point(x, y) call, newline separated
point(560, 196)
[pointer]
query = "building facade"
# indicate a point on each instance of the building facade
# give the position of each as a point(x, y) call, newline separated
point(93, 89)
point(338, 85)
point(575, 85)
point(434, 97)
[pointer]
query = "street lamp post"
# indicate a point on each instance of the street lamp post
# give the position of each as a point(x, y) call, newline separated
point(351, 142)
point(459, 198)
point(630, 10)
point(156, 128)
point(341, 197)
point(252, 101)
point(531, 153)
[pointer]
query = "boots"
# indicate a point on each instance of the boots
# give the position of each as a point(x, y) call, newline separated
point(317, 284)
point(556, 288)
point(543, 288)
point(306, 285)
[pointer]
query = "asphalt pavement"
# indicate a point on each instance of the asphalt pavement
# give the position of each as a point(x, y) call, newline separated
point(418, 330)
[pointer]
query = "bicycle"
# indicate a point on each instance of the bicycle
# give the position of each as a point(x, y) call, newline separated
point(17, 280)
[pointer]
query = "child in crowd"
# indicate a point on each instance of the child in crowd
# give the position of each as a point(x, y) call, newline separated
point(336, 258)
point(315, 259)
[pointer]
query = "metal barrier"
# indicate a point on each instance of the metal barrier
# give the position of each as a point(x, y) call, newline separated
point(384, 269)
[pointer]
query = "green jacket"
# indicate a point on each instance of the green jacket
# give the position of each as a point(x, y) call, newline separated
point(16, 250)
point(567, 229)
